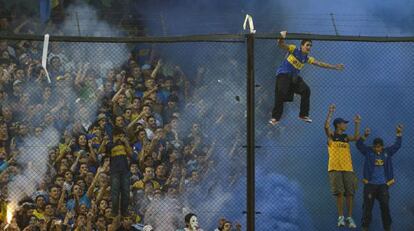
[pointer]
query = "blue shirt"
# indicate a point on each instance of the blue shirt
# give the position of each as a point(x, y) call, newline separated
point(136, 148)
point(378, 175)
point(70, 205)
point(295, 60)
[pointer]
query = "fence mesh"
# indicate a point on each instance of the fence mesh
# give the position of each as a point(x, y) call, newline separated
point(182, 108)
point(376, 84)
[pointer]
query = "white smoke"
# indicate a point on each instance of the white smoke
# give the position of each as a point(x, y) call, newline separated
point(33, 156)
point(165, 214)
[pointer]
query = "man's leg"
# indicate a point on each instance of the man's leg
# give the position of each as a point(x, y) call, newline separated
point(304, 91)
point(367, 205)
point(349, 204)
point(351, 185)
point(125, 187)
point(383, 197)
point(115, 187)
point(282, 89)
point(340, 204)
point(338, 190)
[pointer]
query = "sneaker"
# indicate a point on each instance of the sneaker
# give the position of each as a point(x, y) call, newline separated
point(341, 221)
point(351, 223)
point(306, 119)
point(273, 121)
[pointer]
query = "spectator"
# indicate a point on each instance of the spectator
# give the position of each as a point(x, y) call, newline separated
point(118, 149)
point(221, 224)
point(191, 223)
point(378, 176)
point(147, 180)
point(135, 143)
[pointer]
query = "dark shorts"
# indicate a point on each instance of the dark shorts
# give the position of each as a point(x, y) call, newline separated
point(344, 183)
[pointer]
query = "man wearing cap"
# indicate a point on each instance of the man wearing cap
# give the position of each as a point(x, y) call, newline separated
point(378, 176)
point(288, 81)
point(341, 174)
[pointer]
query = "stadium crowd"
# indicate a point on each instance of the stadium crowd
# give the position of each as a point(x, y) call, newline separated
point(107, 169)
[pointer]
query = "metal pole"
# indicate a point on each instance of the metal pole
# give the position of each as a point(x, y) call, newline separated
point(163, 25)
point(250, 135)
point(77, 23)
point(334, 24)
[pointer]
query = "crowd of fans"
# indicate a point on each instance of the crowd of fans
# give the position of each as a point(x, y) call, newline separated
point(123, 136)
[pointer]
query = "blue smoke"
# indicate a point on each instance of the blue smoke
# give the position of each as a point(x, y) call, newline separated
point(292, 183)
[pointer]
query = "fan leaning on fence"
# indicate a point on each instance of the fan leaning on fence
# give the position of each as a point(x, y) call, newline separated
point(288, 81)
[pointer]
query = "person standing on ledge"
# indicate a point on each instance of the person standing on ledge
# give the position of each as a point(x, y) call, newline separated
point(288, 81)
point(378, 176)
point(342, 178)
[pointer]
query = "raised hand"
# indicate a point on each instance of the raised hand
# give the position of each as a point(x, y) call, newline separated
point(70, 215)
point(183, 172)
point(159, 63)
point(90, 143)
point(105, 140)
point(367, 132)
point(104, 168)
point(357, 119)
point(332, 108)
point(339, 67)
point(399, 129)
point(90, 216)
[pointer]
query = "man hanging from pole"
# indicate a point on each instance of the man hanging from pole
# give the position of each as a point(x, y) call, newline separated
point(288, 81)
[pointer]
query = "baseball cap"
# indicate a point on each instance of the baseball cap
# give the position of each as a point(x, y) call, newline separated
point(339, 121)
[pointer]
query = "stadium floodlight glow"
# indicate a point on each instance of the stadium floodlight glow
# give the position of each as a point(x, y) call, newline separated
point(249, 19)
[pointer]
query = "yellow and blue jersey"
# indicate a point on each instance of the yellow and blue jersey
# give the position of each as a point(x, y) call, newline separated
point(119, 159)
point(339, 152)
point(295, 60)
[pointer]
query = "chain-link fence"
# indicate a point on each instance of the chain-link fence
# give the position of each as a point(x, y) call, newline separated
point(168, 118)
point(376, 84)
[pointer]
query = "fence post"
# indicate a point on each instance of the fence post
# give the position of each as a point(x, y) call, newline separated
point(250, 135)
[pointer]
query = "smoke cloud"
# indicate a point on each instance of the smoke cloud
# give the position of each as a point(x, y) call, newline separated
point(294, 155)
point(34, 157)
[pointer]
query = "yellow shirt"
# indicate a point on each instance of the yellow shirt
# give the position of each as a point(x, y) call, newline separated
point(118, 150)
point(3, 210)
point(339, 152)
point(141, 185)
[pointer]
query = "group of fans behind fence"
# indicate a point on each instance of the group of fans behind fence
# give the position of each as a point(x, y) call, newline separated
point(124, 142)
